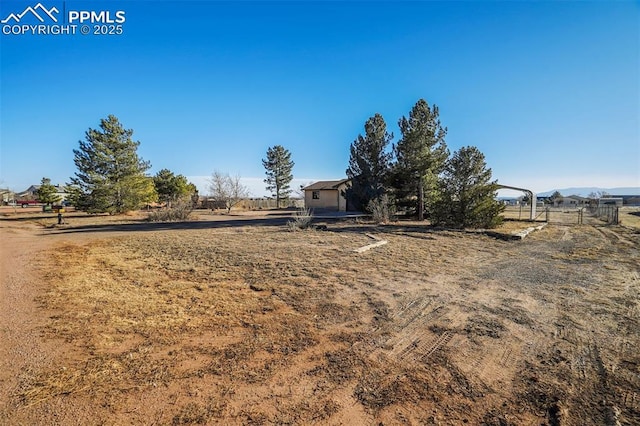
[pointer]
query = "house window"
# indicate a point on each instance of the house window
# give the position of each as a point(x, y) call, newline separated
point(315, 195)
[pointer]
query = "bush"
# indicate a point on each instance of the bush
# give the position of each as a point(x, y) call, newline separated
point(177, 213)
point(381, 209)
point(302, 219)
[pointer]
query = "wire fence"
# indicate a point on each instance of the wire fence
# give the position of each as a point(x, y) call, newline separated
point(608, 214)
point(592, 215)
point(254, 204)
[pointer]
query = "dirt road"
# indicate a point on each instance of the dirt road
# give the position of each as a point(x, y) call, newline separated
point(256, 325)
point(22, 350)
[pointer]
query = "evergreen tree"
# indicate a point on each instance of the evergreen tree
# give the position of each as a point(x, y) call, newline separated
point(420, 154)
point(47, 193)
point(171, 187)
point(111, 177)
point(195, 196)
point(467, 197)
point(369, 163)
point(278, 165)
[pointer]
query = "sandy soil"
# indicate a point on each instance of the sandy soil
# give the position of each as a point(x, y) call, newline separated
point(222, 323)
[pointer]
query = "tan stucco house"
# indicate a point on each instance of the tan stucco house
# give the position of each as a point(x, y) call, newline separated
point(327, 195)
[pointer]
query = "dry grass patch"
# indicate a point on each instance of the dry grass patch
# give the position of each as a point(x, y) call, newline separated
point(141, 309)
point(258, 325)
point(630, 216)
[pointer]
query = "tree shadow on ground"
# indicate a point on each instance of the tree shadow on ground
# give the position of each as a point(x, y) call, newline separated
point(145, 226)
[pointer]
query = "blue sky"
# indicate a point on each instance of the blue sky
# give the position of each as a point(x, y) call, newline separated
point(548, 91)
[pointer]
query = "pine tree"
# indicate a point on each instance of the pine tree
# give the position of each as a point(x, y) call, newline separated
point(47, 193)
point(420, 154)
point(111, 177)
point(467, 195)
point(171, 187)
point(556, 197)
point(278, 165)
point(369, 163)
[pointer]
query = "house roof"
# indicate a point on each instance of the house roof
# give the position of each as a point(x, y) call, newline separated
point(34, 188)
point(576, 197)
point(325, 184)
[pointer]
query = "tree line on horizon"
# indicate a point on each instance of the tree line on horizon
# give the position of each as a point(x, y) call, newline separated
point(416, 174)
point(111, 177)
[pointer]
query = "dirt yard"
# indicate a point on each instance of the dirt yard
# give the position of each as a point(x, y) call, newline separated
point(236, 320)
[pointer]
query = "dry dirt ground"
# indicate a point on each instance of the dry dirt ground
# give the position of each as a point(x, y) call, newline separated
point(240, 321)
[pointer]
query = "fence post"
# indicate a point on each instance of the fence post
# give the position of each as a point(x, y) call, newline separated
point(546, 217)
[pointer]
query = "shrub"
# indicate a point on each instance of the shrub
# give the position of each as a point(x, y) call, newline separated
point(302, 219)
point(178, 212)
point(381, 209)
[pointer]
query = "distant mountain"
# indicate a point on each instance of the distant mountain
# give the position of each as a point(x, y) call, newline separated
point(585, 191)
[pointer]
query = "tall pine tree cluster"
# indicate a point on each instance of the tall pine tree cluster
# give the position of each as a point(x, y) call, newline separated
point(418, 174)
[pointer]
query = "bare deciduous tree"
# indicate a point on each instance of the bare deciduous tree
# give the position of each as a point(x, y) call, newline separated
point(227, 189)
point(596, 195)
point(300, 190)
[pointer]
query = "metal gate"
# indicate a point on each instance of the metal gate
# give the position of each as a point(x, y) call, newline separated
point(564, 216)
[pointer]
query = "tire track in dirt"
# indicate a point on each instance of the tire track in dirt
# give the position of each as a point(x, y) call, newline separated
point(613, 236)
point(491, 364)
point(410, 336)
point(562, 343)
point(430, 347)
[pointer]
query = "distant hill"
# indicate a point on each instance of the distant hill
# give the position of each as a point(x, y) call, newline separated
point(585, 191)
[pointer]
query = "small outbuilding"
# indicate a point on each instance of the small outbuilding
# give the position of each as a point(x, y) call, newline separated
point(571, 201)
point(610, 201)
point(326, 195)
